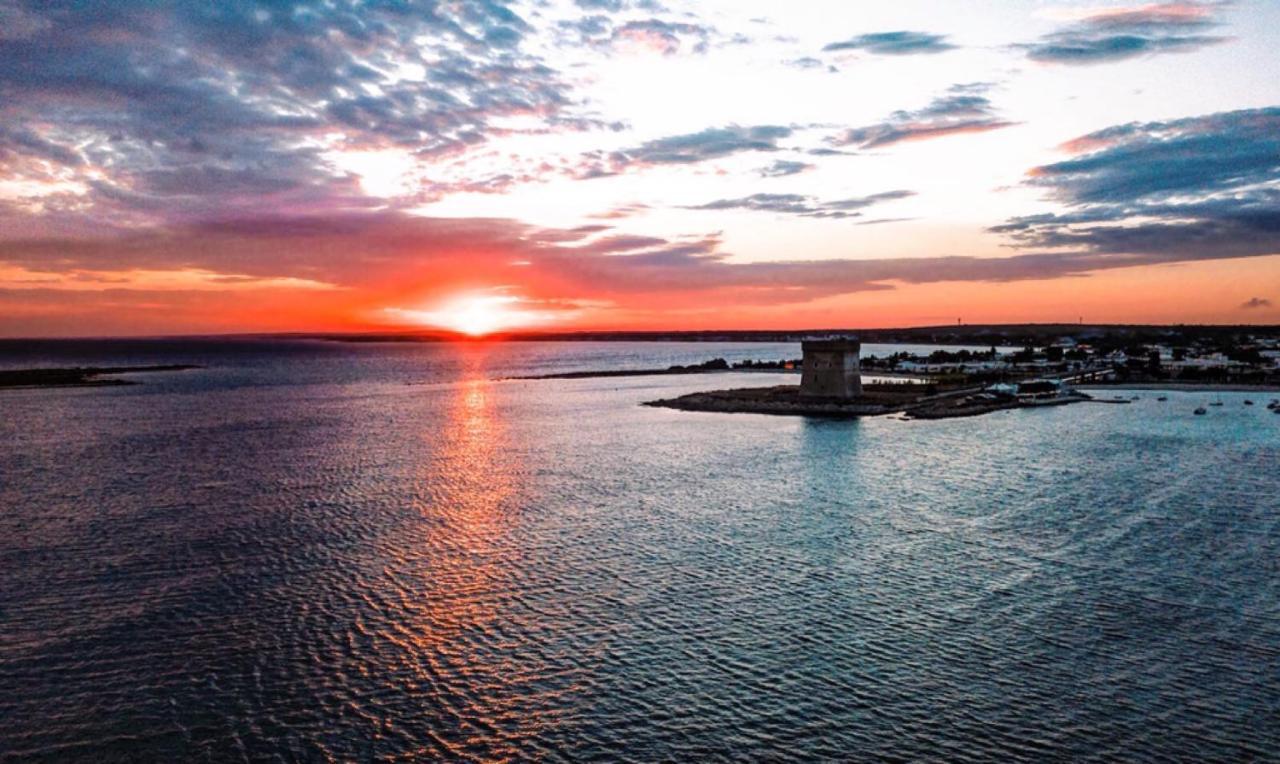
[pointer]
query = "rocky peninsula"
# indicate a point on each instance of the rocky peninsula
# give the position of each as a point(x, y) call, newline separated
point(913, 401)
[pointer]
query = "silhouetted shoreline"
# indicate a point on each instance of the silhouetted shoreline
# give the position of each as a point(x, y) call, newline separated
point(714, 365)
point(86, 376)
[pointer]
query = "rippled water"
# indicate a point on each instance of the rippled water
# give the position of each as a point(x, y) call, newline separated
point(319, 551)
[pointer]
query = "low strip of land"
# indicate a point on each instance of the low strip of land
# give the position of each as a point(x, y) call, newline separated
point(715, 365)
point(916, 402)
point(80, 376)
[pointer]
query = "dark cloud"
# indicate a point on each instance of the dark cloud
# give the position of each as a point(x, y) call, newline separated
point(805, 206)
point(1188, 189)
point(783, 167)
point(963, 109)
point(900, 43)
point(373, 256)
point(620, 243)
point(1255, 302)
point(1159, 160)
point(1114, 35)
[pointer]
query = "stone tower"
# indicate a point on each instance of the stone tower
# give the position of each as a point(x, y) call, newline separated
point(831, 368)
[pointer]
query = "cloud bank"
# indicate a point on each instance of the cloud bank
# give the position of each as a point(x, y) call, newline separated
point(1203, 187)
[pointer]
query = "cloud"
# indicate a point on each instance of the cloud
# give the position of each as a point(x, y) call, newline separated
point(191, 109)
point(809, 62)
point(805, 206)
point(1118, 34)
point(603, 32)
point(711, 143)
point(666, 37)
point(616, 6)
point(881, 221)
point(781, 168)
point(1187, 189)
point(369, 261)
point(1159, 160)
point(360, 250)
point(963, 109)
point(901, 43)
point(1255, 302)
point(622, 211)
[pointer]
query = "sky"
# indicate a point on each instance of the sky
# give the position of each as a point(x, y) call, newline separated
point(194, 167)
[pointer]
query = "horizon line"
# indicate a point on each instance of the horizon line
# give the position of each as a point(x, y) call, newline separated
point(571, 335)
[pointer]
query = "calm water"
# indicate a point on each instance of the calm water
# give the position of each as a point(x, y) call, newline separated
point(315, 551)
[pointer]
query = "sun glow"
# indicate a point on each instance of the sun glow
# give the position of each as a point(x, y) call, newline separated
point(476, 314)
point(385, 173)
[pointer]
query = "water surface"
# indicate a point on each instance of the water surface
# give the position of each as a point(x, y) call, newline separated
point(325, 551)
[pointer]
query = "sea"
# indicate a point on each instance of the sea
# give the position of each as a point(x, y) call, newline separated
point(328, 551)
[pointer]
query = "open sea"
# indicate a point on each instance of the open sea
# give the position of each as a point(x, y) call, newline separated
point(319, 551)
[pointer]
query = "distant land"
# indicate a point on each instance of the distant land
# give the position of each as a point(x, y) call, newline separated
point(956, 334)
point(947, 334)
point(81, 376)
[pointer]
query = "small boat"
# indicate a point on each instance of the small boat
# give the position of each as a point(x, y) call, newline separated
point(1163, 398)
point(1248, 402)
point(1201, 411)
point(1136, 398)
point(1216, 403)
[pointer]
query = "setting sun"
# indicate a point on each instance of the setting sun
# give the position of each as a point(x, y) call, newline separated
point(475, 314)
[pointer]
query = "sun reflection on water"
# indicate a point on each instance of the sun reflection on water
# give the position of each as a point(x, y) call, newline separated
point(470, 581)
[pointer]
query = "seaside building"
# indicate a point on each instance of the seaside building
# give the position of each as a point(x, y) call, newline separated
point(831, 368)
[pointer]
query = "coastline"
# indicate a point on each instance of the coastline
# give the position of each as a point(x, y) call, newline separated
point(87, 376)
point(786, 400)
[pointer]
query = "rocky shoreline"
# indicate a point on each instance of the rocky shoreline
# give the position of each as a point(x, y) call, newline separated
point(878, 400)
